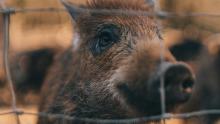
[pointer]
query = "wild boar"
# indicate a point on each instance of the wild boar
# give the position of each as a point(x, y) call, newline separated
point(206, 90)
point(114, 67)
point(28, 70)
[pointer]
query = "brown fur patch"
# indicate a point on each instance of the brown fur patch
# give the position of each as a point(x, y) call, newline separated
point(119, 4)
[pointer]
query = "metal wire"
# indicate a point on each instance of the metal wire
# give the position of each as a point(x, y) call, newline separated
point(6, 113)
point(6, 21)
point(118, 121)
point(162, 82)
point(159, 14)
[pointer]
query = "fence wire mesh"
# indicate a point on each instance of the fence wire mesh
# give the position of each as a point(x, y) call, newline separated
point(159, 14)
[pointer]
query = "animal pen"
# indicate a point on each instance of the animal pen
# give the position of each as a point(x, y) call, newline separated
point(161, 15)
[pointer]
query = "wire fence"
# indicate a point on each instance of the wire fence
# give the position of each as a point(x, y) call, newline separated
point(8, 12)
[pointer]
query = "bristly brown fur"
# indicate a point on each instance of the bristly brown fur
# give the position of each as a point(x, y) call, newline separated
point(139, 5)
point(114, 71)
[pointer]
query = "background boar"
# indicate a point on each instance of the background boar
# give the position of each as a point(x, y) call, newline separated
point(189, 50)
point(29, 69)
point(206, 93)
point(28, 72)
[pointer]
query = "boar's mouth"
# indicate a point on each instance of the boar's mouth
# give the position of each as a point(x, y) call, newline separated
point(145, 96)
point(148, 103)
point(143, 104)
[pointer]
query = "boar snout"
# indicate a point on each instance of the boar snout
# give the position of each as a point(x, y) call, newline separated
point(144, 94)
point(178, 82)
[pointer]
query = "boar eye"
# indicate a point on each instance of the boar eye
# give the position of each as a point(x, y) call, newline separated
point(105, 38)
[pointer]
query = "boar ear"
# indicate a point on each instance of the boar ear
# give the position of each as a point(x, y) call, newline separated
point(73, 10)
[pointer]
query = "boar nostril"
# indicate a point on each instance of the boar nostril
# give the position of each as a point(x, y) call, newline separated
point(187, 85)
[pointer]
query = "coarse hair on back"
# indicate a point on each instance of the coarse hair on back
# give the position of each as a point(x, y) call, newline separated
point(137, 5)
